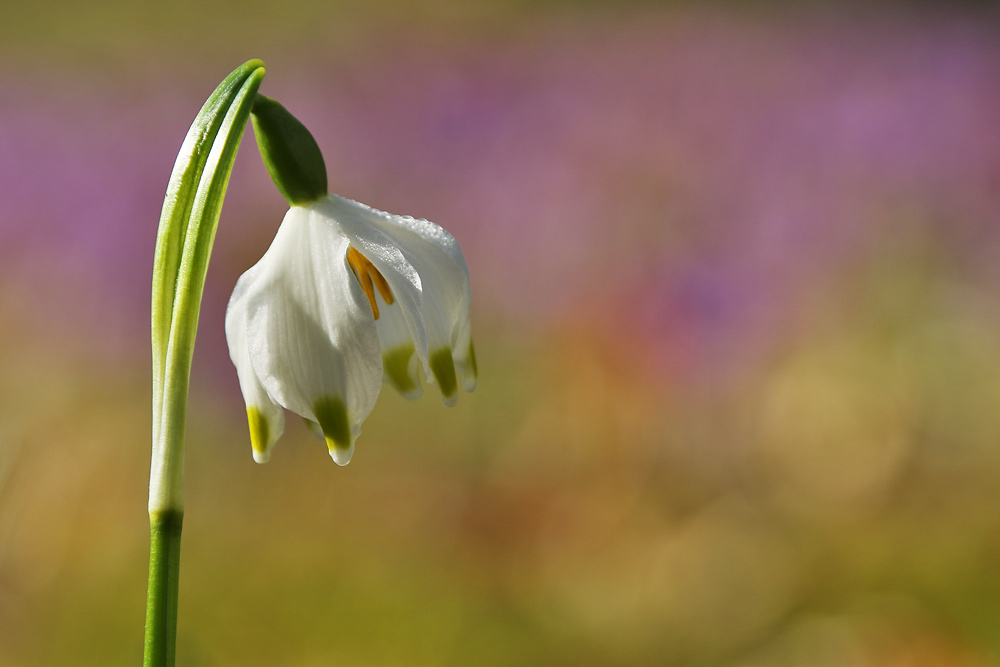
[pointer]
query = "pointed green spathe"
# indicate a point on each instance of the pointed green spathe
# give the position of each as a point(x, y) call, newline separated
point(289, 151)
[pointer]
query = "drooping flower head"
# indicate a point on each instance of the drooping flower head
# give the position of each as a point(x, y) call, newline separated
point(345, 296)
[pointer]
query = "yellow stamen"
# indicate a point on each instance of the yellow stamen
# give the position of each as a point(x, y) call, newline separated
point(369, 278)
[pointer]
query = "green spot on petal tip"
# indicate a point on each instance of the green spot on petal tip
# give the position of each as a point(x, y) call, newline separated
point(396, 366)
point(470, 370)
point(260, 432)
point(331, 413)
point(470, 362)
point(443, 368)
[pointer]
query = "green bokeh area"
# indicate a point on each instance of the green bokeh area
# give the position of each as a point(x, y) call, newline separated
point(736, 305)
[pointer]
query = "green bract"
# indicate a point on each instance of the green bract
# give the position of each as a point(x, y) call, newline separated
point(289, 152)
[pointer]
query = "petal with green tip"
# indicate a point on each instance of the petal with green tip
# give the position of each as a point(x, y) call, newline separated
point(265, 417)
point(309, 328)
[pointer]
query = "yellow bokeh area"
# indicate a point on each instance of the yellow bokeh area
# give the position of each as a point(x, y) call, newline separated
point(736, 304)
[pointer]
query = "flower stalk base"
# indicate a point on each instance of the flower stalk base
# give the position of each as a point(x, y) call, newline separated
point(164, 574)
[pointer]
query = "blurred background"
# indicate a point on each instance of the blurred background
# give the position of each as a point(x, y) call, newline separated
point(736, 278)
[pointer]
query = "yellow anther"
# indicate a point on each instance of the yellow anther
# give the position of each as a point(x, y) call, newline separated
point(369, 278)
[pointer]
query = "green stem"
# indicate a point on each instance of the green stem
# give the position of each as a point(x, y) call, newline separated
point(161, 603)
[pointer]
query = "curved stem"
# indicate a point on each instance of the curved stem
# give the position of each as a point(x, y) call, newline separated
point(184, 241)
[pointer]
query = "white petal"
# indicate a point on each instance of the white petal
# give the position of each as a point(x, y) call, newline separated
point(444, 292)
point(384, 253)
point(400, 362)
point(310, 331)
point(265, 417)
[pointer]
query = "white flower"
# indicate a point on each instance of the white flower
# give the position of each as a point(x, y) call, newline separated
point(345, 296)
